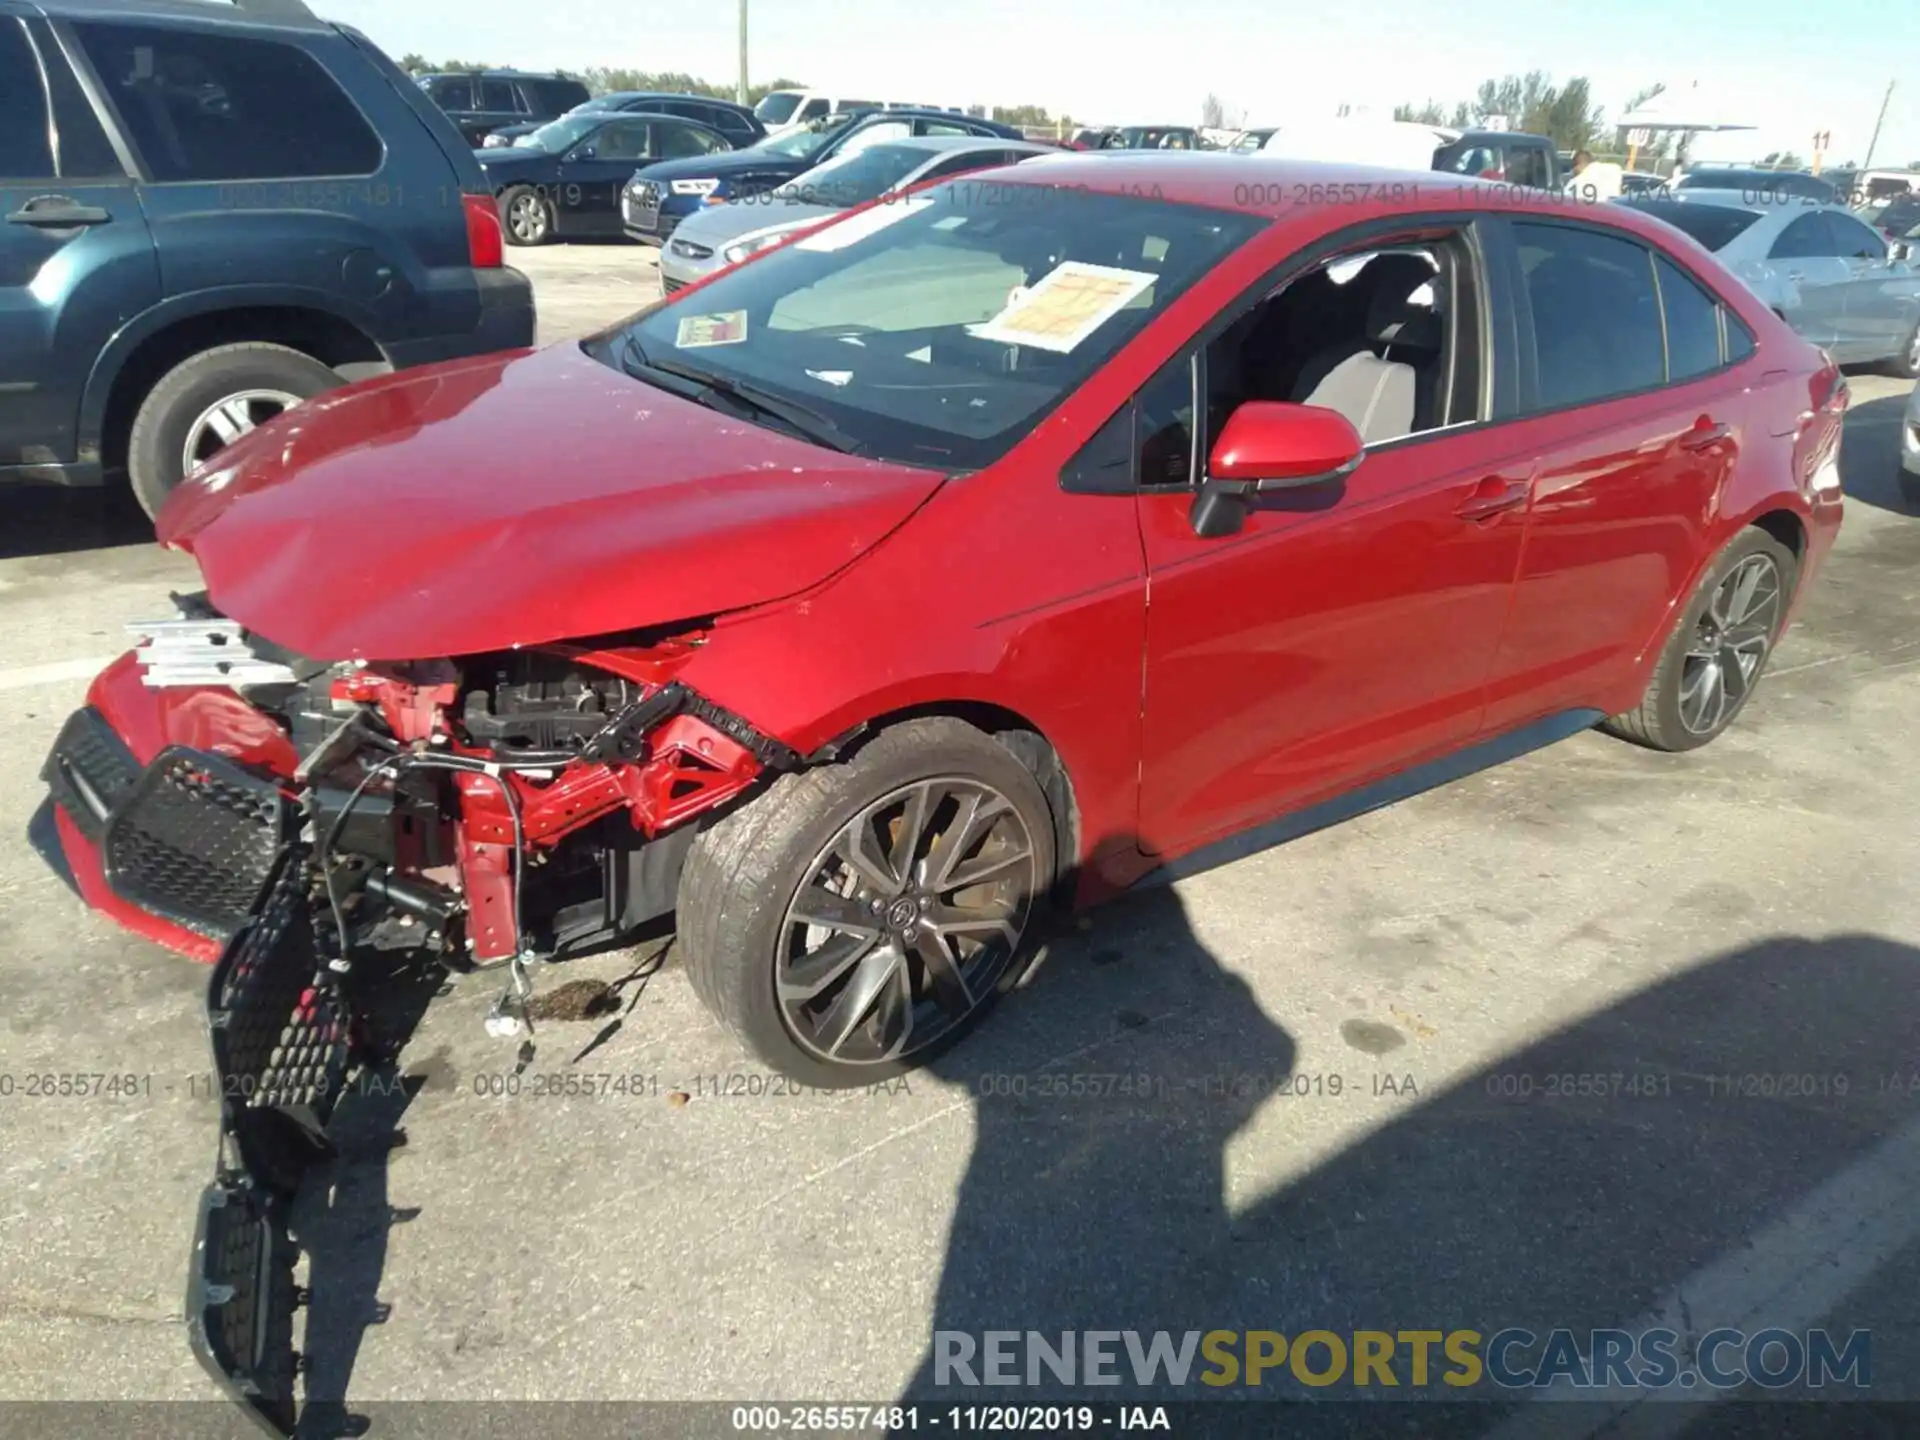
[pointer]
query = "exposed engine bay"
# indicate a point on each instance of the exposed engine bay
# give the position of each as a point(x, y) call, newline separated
point(334, 823)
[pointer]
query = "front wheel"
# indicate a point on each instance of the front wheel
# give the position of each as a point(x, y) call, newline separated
point(527, 216)
point(858, 918)
point(1907, 363)
point(1714, 656)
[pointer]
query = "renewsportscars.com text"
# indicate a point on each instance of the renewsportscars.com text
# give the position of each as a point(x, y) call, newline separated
point(1509, 1359)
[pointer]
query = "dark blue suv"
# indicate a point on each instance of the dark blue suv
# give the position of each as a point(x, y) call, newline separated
point(210, 212)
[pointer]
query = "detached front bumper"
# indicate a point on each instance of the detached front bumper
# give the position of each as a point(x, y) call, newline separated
point(178, 850)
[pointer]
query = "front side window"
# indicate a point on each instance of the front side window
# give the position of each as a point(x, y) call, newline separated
point(1855, 241)
point(450, 92)
point(624, 139)
point(683, 142)
point(497, 95)
point(1596, 314)
point(939, 330)
point(1528, 166)
point(556, 137)
point(27, 151)
point(205, 105)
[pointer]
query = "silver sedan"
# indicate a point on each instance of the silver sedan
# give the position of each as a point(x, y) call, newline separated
point(1837, 281)
point(722, 235)
point(1910, 449)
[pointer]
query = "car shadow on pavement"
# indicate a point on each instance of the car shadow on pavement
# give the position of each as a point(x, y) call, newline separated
point(48, 520)
point(1870, 456)
point(1704, 1151)
point(344, 1214)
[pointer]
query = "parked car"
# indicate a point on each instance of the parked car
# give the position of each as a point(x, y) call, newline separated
point(236, 208)
point(1898, 219)
point(1384, 522)
point(1359, 140)
point(1641, 182)
point(564, 181)
point(1827, 273)
point(736, 122)
point(713, 239)
point(660, 196)
point(1758, 184)
point(1512, 156)
point(1250, 140)
point(782, 110)
point(1151, 137)
point(1910, 449)
point(1860, 188)
point(480, 101)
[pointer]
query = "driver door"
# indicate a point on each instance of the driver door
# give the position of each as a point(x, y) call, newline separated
point(1344, 632)
point(594, 170)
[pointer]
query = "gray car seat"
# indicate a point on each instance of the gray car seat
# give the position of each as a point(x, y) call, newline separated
point(1384, 387)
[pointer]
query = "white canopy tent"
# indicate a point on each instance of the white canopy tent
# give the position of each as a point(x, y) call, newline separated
point(1683, 110)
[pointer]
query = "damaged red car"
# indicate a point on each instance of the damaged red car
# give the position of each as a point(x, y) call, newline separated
point(972, 557)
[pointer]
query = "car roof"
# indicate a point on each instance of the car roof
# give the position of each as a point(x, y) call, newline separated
point(1257, 183)
point(934, 144)
point(287, 14)
point(500, 75)
point(674, 95)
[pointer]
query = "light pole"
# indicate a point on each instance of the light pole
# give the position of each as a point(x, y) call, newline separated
point(740, 86)
point(1872, 144)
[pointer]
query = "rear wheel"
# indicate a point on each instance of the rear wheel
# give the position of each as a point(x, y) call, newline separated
point(527, 216)
point(1717, 649)
point(210, 400)
point(857, 919)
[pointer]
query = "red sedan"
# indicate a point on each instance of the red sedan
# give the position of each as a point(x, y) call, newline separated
point(1009, 544)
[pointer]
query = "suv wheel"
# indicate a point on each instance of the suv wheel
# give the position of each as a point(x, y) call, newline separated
point(1718, 648)
point(527, 216)
point(209, 400)
point(860, 917)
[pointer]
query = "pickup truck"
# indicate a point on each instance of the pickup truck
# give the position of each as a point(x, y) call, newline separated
point(1510, 155)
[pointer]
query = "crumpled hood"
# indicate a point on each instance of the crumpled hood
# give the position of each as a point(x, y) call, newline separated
point(517, 499)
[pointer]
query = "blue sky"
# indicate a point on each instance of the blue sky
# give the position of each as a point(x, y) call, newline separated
point(1790, 69)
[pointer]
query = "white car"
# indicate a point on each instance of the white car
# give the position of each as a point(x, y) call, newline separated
point(784, 110)
point(1395, 144)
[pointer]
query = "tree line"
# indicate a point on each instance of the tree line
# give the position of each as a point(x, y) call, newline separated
point(606, 79)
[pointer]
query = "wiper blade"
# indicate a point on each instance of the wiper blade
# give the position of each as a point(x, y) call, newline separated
point(807, 422)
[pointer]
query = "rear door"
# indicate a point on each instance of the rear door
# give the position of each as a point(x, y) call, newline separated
point(498, 102)
point(76, 259)
point(1626, 400)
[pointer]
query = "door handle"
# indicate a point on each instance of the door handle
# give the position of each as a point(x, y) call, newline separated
point(1704, 437)
point(1493, 496)
point(58, 212)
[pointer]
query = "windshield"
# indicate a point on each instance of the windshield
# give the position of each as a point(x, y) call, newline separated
point(806, 141)
point(562, 134)
point(938, 330)
point(777, 107)
point(849, 180)
point(1714, 226)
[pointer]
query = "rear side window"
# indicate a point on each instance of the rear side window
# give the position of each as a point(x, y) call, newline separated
point(1714, 226)
point(554, 97)
point(26, 151)
point(1693, 323)
point(202, 105)
point(1805, 237)
point(1528, 166)
point(1596, 314)
point(1853, 240)
point(497, 95)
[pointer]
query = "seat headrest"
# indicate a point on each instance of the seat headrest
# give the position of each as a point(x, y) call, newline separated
point(1414, 327)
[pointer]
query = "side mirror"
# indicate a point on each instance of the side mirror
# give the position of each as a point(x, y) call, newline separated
point(1899, 250)
point(1269, 446)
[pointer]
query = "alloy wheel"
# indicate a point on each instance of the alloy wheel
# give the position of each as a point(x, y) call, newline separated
point(225, 421)
point(905, 921)
point(527, 218)
point(1730, 644)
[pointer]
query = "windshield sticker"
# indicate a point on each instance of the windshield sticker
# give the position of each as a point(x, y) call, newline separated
point(699, 331)
point(855, 228)
point(1063, 308)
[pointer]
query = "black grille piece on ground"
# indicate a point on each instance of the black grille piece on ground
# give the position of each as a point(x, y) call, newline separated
point(194, 840)
point(89, 770)
point(279, 1030)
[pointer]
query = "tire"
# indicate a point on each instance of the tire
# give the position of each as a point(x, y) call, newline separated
point(525, 216)
point(745, 878)
point(1907, 363)
point(224, 378)
point(1910, 487)
point(1679, 710)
